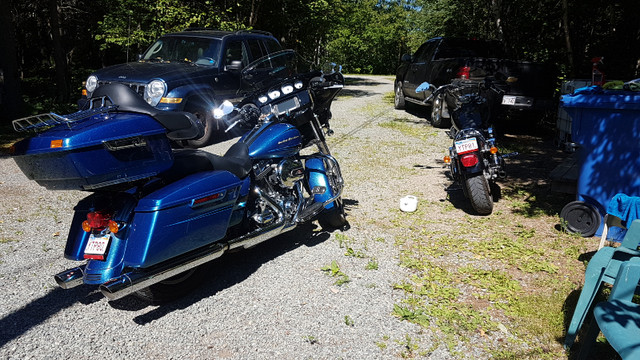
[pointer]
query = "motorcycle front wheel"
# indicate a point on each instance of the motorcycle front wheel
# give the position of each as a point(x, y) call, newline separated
point(333, 218)
point(174, 287)
point(479, 194)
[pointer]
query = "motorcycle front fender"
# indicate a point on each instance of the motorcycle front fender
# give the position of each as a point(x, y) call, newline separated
point(316, 176)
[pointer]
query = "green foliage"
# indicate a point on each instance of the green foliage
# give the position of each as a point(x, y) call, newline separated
point(333, 270)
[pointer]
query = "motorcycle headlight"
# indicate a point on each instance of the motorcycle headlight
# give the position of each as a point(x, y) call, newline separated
point(91, 84)
point(287, 89)
point(263, 99)
point(298, 84)
point(274, 94)
point(154, 92)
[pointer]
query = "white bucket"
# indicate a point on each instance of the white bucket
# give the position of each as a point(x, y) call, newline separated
point(409, 203)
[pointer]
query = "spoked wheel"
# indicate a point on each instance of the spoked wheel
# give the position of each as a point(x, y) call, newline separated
point(437, 109)
point(479, 194)
point(174, 287)
point(398, 99)
point(581, 218)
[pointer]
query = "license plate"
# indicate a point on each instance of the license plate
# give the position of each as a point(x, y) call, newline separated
point(96, 247)
point(508, 100)
point(466, 145)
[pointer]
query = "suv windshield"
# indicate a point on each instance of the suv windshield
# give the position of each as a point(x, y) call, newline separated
point(200, 51)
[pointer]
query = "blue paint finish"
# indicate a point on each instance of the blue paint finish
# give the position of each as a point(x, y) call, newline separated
point(274, 140)
point(85, 161)
point(316, 174)
point(165, 223)
point(97, 272)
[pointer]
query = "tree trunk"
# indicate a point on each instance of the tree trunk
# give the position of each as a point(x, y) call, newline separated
point(567, 36)
point(10, 94)
point(62, 78)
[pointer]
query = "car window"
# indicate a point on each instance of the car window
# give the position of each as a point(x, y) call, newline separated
point(201, 51)
point(235, 51)
point(255, 48)
point(272, 45)
point(422, 53)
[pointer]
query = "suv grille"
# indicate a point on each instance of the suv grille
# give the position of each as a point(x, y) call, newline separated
point(137, 87)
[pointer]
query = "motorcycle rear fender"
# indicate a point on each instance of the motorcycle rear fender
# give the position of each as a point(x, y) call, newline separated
point(316, 175)
point(122, 205)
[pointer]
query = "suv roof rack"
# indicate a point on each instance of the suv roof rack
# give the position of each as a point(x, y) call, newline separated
point(254, 32)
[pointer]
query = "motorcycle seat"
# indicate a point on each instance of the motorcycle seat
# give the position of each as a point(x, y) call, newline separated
point(190, 161)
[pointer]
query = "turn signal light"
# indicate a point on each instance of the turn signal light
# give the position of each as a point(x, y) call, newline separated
point(56, 144)
point(493, 150)
point(165, 100)
point(113, 226)
point(447, 160)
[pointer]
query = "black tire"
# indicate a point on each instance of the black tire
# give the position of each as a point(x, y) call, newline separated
point(398, 99)
point(174, 287)
point(436, 113)
point(208, 122)
point(333, 218)
point(581, 218)
point(479, 194)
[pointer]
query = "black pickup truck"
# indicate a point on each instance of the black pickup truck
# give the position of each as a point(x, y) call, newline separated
point(440, 60)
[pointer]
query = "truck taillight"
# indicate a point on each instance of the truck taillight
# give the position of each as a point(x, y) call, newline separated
point(464, 72)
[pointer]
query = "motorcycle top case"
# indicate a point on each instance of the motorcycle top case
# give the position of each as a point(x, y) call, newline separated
point(97, 152)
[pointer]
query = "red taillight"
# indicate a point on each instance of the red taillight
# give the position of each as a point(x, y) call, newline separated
point(464, 72)
point(96, 221)
point(469, 160)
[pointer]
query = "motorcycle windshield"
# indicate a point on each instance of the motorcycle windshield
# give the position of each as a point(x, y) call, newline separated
point(274, 68)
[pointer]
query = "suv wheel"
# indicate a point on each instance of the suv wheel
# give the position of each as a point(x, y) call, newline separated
point(208, 122)
point(398, 100)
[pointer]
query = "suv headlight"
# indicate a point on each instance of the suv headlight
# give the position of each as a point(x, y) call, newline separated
point(154, 92)
point(91, 84)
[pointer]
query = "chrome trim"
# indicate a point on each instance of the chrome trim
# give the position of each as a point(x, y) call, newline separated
point(70, 278)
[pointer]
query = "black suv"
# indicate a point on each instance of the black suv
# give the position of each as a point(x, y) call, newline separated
point(193, 70)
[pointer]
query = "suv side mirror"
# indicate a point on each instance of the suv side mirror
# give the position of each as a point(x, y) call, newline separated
point(234, 66)
point(406, 58)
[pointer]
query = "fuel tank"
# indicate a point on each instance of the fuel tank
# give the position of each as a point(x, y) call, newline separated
point(273, 140)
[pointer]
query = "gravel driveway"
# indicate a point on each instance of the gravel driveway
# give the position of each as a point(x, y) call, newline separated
point(270, 302)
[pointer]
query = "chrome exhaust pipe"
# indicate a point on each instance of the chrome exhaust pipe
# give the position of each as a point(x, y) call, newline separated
point(70, 278)
point(136, 280)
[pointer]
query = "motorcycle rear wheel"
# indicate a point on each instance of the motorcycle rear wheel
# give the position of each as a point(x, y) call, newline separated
point(479, 194)
point(174, 287)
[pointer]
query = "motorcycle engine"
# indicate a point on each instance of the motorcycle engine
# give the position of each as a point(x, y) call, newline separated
point(278, 183)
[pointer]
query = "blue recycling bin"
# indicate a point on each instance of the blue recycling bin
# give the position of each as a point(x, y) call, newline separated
point(606, 126)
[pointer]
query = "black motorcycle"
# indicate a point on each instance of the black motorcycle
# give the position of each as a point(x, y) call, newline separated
point(474, 158)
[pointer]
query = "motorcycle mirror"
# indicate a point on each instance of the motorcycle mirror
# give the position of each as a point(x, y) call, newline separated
point(423, 87)
point(225, 108)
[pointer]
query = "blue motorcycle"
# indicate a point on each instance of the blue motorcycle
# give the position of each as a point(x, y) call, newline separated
point(158, 214)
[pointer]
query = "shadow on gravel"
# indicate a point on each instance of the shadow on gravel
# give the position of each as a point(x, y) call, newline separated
point(231, 269)
point(351, 81)
point(39, 310)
